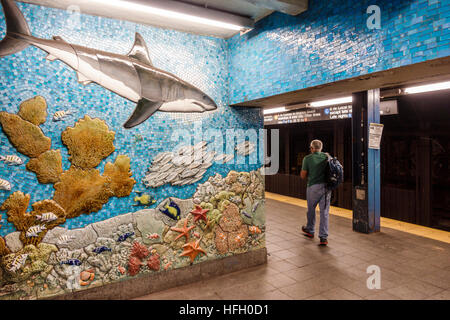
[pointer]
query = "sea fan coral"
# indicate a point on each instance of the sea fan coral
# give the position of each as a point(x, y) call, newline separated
point(119, 173)
point(48, 166)
point(139, 250)
point(34, 110)
point(82, 191)
point(26, 137)
point(88, 142)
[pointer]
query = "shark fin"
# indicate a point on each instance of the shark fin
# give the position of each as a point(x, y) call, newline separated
point(82, 79)
point(139, 51)
point(50, 57)
point(58, 38)
point(144, 109)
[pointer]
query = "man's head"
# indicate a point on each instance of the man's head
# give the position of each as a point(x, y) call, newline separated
point(316, 146)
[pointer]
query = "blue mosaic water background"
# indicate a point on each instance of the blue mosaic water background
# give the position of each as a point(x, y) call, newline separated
point(330, 42)
point(200, 60)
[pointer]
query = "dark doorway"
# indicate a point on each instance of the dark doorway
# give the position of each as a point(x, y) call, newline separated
point(415, 159)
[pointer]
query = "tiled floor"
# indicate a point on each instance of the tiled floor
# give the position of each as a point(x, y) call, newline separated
point(412, 267)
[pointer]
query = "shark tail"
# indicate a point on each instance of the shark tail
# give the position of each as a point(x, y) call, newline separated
point(15, 24)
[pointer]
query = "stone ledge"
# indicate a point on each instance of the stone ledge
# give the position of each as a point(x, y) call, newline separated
point(149, 283)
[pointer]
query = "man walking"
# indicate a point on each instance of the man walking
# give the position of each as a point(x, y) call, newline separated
point(314, 168)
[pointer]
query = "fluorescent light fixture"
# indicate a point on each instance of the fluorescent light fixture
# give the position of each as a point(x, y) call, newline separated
point(331, 102)
point(428, 87)
point(169, 13)
point(274, 110)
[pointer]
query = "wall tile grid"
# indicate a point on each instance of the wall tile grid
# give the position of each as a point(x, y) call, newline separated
point(196, 59)
point(331, 41)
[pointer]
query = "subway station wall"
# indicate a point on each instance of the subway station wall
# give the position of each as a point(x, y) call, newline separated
point(84, 201)
point(331, 41)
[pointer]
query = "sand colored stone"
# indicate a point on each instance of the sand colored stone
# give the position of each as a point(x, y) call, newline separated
point(34, 110)
point(48, 166)
point(120, 175)
point(88, 142)
point(82, 191)
point(231, 218)
point(26, 137)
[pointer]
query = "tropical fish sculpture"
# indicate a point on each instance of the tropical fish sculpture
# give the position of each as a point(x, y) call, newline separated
point(131, 76)
point(11, 160)
point(172, 210)
point(144, 200)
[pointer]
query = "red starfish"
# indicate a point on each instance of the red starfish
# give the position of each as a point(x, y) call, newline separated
point(192, 249)
point(184, 231)
point(199, 213)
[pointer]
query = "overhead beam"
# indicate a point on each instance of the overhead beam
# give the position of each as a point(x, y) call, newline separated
point(431, 70)
point(291, 7)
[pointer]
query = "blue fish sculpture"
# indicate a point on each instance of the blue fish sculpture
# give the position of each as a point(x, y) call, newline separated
point(101, 249)
point(172, 210)
point(72, 262)
point(125, 236)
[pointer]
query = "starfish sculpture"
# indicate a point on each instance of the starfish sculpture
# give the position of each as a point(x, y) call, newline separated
point(199, 213)
point(183, 231)
point(192, 249)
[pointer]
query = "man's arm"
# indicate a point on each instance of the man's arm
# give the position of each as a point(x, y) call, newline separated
point(304, 174)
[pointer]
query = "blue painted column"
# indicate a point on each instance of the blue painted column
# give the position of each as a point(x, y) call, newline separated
point(366, 162)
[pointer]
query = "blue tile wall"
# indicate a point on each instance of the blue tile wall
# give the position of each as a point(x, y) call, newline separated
point(197, 59)
point(331, 41)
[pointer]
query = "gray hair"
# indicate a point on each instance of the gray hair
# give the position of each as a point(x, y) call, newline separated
point(316, 145)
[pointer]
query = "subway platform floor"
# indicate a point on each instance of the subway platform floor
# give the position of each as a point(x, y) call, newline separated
point(412, 266)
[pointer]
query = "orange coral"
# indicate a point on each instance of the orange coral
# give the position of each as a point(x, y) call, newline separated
point(134, 265)
point(139, 250)
point(154, 262)
point(88, 142)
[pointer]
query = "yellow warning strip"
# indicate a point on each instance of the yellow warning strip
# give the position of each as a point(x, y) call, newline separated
point(415, 229)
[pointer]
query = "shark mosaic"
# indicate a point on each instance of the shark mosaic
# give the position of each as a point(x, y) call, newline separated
point(86, 200)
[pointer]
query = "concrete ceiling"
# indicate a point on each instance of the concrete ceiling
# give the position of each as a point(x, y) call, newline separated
point(238, 11)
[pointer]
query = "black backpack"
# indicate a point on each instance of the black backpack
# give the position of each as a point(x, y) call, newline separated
point(334, 173)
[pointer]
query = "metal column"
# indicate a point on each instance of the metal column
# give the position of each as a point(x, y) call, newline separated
point(366, 163)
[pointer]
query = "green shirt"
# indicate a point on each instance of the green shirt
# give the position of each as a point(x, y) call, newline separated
point(315, 163)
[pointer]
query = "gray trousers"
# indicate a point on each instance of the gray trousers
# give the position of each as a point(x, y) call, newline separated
point(315, 194)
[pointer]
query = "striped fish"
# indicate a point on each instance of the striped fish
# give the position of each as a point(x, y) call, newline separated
point(35, 230)
point(5, 185)
point(18, 262)
point(61, 115)
point(47, 217)
point(11, 160)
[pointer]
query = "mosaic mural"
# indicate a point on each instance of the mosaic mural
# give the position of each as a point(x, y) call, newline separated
point(85, 201)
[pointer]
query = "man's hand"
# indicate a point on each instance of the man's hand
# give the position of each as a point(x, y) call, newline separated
point(303, 174)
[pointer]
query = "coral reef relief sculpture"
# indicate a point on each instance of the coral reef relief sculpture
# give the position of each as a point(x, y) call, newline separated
point(151, 88)
point(135, 243)
point(81, 189)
